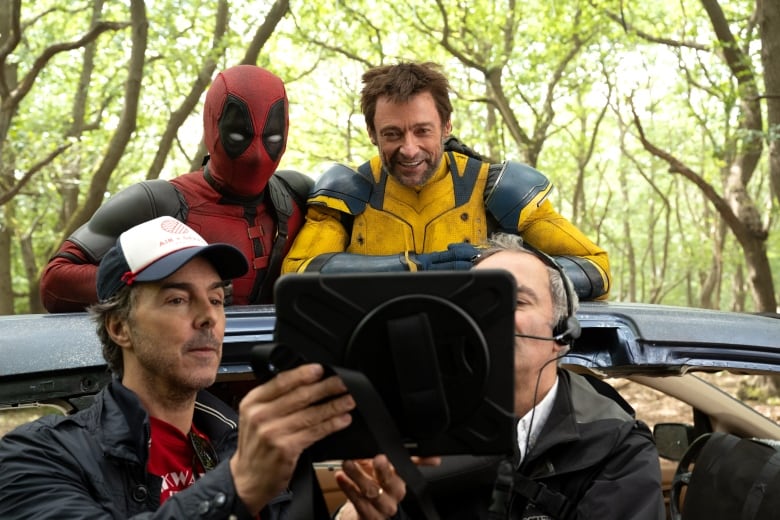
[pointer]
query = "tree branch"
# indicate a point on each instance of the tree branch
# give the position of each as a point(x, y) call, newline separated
point(264, 32)
point(27, 82)
point(17, 187)
point(750, 121)
point(179, 116)
point(127, 120)
point(446, 43)
point(10, 43)
point(677, 166)
point(628, 27)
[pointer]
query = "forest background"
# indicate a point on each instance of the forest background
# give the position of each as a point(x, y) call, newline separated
point(658, 122)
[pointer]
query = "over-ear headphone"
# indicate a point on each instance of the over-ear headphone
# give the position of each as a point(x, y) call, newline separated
point(568, 328)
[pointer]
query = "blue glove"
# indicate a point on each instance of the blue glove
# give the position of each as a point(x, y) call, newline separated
point(457, 257)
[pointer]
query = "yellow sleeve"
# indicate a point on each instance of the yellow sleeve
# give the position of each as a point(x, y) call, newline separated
point(549, 231)
point(321, 233)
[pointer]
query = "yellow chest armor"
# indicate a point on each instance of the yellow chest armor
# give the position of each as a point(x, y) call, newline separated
point(449, 208)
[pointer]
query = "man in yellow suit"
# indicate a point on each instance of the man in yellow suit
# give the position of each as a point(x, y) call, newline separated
point(425, 201)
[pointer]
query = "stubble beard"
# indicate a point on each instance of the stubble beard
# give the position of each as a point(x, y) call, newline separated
point(390, 168)
point(180, 385)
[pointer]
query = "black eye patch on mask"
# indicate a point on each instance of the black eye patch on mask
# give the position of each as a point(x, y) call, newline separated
point(235, 127)
point(274, 130)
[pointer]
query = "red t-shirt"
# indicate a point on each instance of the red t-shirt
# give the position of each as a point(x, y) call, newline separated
point(172, 458)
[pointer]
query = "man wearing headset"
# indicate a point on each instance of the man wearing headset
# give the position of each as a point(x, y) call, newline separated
point(579, 454)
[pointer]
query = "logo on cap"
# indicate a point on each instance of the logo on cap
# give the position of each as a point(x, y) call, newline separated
point(174, 226)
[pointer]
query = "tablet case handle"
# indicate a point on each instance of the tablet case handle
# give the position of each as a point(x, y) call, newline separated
point(384, 431)
point(419, 378)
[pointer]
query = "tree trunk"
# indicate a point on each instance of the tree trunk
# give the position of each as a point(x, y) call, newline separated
point(9, 11)
point(6, 285)
point(769, 20)
point(711, 279)
point(768, 12)
point(31, 270)
point(739, 291)
point(126, 124)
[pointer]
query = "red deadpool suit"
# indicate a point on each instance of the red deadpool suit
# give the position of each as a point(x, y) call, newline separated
point(238, 196)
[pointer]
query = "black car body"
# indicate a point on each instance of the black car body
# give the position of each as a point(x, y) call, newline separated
point(56, 359)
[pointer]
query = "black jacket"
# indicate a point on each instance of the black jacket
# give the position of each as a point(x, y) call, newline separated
point(591, 450)
point(93, 465)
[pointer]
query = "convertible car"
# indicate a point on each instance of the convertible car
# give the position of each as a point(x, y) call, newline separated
point(672, 352)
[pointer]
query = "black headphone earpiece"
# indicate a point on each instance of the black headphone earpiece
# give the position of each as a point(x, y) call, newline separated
point(567, 330)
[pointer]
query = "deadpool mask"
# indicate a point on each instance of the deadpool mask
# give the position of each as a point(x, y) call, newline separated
point(245, 127)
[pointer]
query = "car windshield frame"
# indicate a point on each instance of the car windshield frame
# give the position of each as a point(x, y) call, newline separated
point(51, 356)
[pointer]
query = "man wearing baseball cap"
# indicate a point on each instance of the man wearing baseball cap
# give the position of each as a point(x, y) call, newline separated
point(155, 441)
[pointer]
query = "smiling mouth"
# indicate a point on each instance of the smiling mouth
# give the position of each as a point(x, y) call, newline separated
point(414, 164)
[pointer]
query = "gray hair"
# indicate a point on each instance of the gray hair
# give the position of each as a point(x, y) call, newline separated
point(562, 298)
point(120, 305)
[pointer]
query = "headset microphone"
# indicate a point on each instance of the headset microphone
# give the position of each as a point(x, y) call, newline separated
point(564, 333)
point(559, 337)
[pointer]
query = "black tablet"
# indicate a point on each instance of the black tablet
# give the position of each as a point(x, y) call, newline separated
point(437, 348)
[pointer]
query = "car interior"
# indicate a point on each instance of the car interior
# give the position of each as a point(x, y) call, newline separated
point(703, 408)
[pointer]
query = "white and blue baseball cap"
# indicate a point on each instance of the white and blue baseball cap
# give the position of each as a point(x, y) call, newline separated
point(156, 249)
